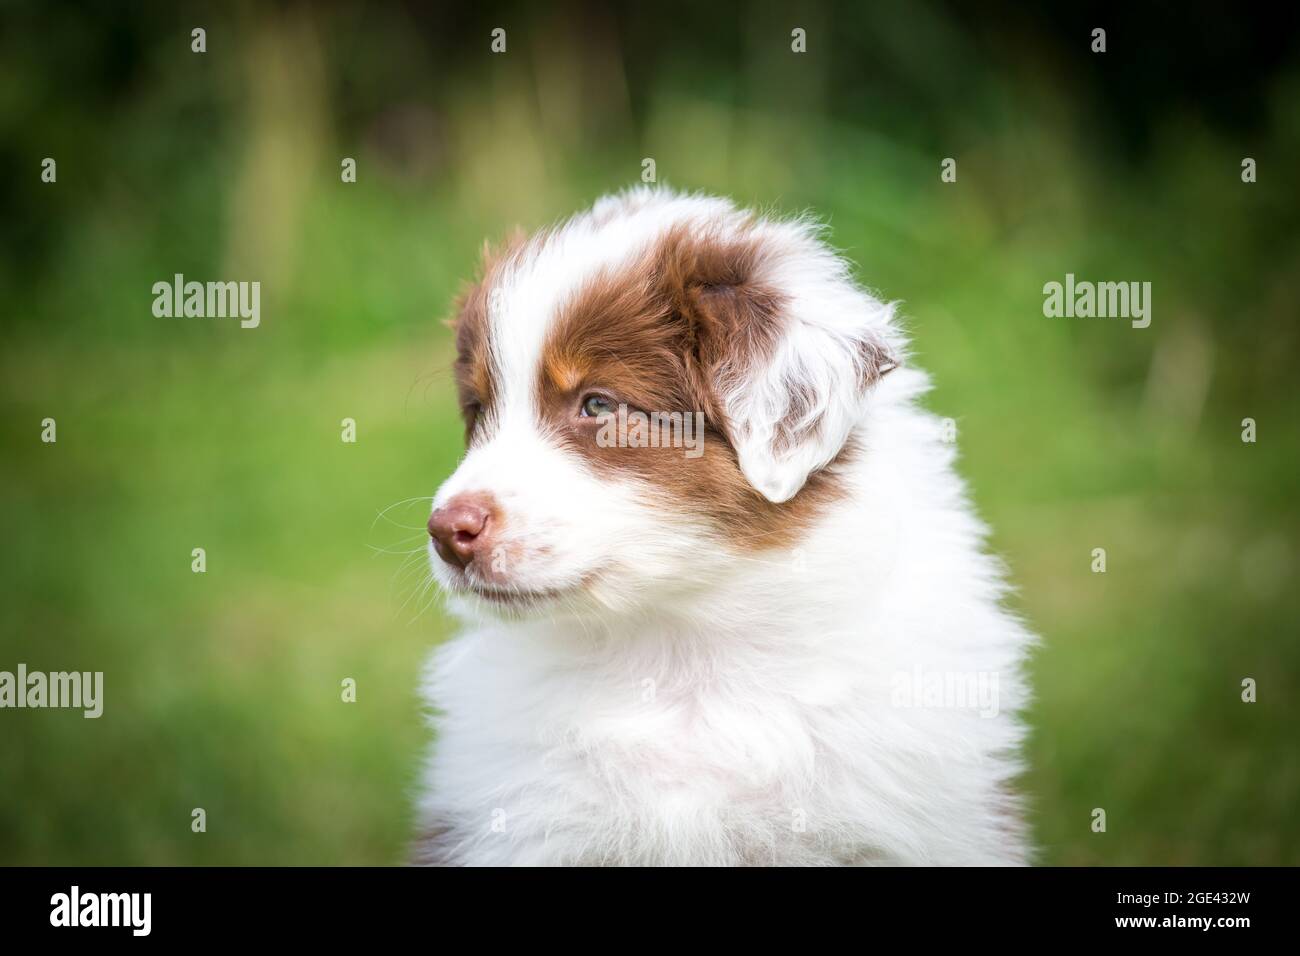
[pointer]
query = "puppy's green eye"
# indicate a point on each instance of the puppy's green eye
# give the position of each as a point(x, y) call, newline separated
point(593, 406)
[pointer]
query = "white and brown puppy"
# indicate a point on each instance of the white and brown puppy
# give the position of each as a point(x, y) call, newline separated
point(784, 645)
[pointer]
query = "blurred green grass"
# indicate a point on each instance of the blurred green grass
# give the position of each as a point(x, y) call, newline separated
point(223, 688)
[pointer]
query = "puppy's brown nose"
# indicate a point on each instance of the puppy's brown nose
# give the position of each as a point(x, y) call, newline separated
point(460, 529)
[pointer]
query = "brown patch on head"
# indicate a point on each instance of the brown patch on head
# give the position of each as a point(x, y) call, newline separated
point(471, 326)
point(667, 334)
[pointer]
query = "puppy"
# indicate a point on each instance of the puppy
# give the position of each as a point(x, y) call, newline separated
point(754, 623)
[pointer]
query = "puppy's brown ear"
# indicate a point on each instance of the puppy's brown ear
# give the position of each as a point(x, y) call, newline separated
point(791, 346)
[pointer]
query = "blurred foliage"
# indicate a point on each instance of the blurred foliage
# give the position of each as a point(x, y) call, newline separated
point(222, 689)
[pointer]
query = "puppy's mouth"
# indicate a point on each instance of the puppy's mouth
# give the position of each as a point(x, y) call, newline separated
point(509, 597)
point(518, 598)
point(498, 592)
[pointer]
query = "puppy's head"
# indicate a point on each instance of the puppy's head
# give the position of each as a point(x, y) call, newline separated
point(653, 391)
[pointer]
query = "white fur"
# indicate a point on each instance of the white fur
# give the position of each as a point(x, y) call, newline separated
point(690, 703)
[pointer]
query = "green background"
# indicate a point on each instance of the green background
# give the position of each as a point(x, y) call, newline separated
point(223, 688)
